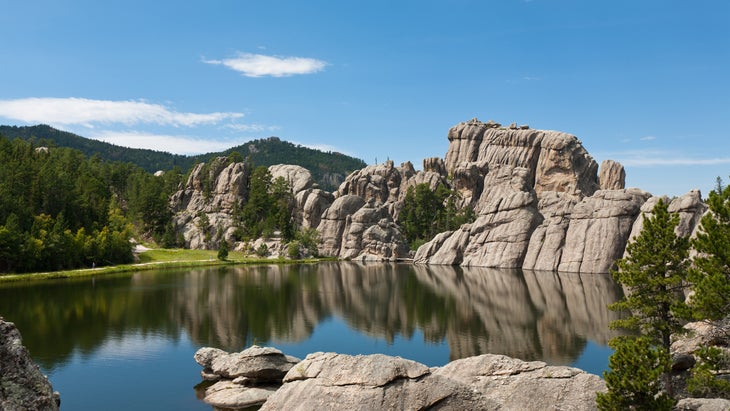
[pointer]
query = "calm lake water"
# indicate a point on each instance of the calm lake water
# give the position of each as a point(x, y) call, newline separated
point(127, 342)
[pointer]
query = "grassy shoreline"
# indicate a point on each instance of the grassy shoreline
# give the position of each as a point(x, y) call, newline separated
point(156, 259)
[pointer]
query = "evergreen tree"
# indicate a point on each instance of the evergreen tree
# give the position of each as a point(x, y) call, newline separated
point(710, 276)
point(633, 381)
point(653, 272)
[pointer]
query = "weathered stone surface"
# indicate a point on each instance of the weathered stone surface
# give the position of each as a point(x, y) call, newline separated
point(519, 385)
point(599, 230)
point(229, 395)
point(310, 204)
point(555, 161)
point(22, 385)
point(227, 187)
point(547, 240)
point(612, 175)
point(380, 183)
point(702, 404)
point(499, 237)
point(298, 178)
point(326, 381)
point(334, 221)
point(329, 381)
point(371, 234)
point(257, 364)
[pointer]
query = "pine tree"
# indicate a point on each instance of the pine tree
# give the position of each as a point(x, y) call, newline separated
point(710, 276)
point(654, 272)
point(633, 382)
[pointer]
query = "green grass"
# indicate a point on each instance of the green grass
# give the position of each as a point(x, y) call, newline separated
point(158, 259)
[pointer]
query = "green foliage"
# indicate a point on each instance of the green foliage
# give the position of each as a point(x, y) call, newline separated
point(309, 238)
point(633, 381)
point(223, 251)
point(710, 276)
point(703, 382)
point(268, 209)
point(262, 250)
point(426, 213)
point(292, 250)
point(654, 271)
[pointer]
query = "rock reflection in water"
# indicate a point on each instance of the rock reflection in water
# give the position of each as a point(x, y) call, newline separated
point(529, 315)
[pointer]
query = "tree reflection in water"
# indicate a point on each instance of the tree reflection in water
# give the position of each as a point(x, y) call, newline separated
point(528, 315)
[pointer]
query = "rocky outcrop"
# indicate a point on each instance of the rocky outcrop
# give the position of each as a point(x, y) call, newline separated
point(599, 230)
point(327, 381)
point(203, 207)
point(507, 214)
point(354, 229)
point(298, 178)
point(612, 175)
point(555, 161)
point(22, 385)
point(380, 183)
point(242, 379)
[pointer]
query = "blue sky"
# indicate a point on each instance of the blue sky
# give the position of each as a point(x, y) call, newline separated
point(642, 82)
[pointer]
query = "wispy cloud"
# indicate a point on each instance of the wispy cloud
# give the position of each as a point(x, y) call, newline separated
point(175, 144)
point(260, 65)
point(248, 128)
point(655, 158)
point(647, 138)
point(87, 112)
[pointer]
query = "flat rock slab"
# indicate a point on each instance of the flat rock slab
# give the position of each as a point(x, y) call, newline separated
point(227, 394)
point(256, 364)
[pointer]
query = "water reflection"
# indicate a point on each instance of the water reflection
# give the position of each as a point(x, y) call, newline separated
point(529, 315)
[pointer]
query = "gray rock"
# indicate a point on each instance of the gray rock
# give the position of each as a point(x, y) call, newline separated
point(555, 161)
point(599, 230)
point(22, 385)
point(499, 237)
point(310, 204)
point(299, 178)
point(229, 395)
point(612, 175)
point(681, 362)
point(257, 364)
point(545, 249)
point(334, 221)
point(328, 381)
point(519, 385)
point(702, 404)
point(372, 235)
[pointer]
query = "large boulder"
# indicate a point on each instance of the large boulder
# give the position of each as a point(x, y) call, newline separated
point(242, 379)
point(599, 230)
point(380, 183)
point(310, 204)
point(371, 234)
point(22, 384)
point(255, 364)
point(547, 240)
point(298, 177)
point(555, 161)
point(328, 381)
point(334, 221)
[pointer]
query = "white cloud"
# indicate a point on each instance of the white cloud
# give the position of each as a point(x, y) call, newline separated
point(87, 112)
point(647, 138)
point(251, 127)
point(161, 142)
point(654, 158)
point(259, 65)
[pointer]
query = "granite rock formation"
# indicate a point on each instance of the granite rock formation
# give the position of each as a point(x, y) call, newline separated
point(541, 201)
point(22, 385)
point(328, 381)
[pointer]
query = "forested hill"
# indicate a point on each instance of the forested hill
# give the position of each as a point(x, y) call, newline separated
point(327, 168)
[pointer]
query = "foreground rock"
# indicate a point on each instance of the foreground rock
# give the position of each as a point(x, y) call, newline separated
point(243, 379)
point(22, 385)
point(328, 381)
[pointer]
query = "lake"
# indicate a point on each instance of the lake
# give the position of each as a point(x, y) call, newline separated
point(127, 341)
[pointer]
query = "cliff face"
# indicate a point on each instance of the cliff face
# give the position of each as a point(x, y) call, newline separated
point(540, 199)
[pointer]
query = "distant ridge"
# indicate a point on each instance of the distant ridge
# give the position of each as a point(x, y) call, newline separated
point(327, 168)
